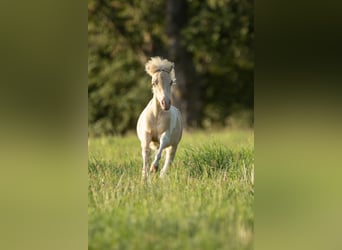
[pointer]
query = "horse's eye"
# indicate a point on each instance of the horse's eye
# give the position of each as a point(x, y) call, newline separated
point(155, 82)
point(171, 82)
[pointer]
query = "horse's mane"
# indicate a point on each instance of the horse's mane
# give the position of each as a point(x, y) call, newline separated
point(156, 64)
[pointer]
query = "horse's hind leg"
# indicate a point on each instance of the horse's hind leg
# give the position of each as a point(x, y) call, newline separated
point(170, 155)
point(155, 165)
point(163, 142)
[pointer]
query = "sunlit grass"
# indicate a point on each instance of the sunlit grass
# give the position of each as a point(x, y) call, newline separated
point(206, 201)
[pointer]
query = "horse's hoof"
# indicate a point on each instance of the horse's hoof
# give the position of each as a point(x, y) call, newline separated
point(154, 169)
point(162, 175)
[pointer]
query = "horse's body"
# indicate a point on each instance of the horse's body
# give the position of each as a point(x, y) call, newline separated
point(160, 124)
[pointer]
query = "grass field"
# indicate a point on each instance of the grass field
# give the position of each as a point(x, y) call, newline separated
point(205, 202)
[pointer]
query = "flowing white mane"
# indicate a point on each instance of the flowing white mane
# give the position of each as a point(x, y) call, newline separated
point(156, 64)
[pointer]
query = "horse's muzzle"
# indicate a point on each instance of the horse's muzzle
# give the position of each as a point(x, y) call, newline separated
point(166, 104)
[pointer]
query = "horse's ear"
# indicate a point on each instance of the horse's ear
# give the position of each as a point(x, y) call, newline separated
point(172, 74)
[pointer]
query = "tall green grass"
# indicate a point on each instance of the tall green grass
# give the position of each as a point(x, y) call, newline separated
point(206, 201)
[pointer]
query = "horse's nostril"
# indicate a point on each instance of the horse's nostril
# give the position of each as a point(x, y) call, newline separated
point(165, 103)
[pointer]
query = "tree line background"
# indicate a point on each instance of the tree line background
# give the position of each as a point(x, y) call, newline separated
point(210, 41)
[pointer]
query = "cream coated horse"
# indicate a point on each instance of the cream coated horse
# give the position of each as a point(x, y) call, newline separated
point(160, 124)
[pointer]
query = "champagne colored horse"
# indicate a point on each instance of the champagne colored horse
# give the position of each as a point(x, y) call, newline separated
point(160, 124)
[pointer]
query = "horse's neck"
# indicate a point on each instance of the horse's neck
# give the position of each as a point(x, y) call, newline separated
point(156, 109)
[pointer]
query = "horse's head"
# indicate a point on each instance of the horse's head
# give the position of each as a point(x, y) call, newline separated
point(163, 76)
point(161, 85)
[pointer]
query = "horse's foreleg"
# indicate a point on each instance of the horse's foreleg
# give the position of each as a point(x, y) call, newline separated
point(164, 139)
point(145, 155)
point(170, 155)
point(145, 151)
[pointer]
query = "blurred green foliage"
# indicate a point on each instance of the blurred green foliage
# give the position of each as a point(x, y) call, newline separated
point(122, 35)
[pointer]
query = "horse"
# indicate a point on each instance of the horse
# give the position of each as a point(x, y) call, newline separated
point(159, 125)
